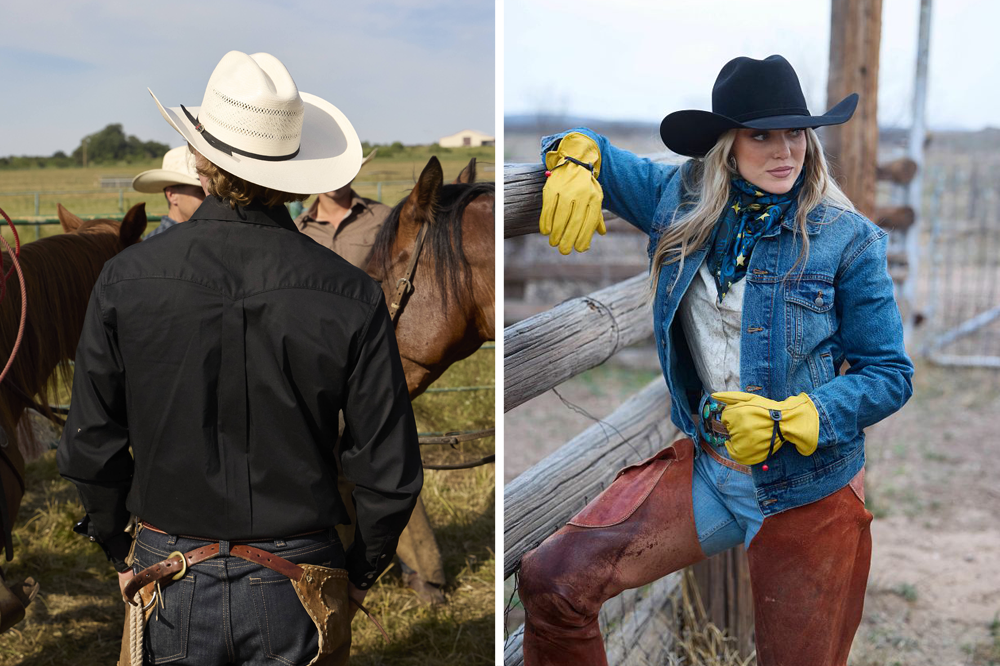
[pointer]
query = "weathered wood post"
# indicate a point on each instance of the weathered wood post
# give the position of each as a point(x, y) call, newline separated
point(855, 35)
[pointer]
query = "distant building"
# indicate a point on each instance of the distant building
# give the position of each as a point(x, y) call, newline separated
point(466, 138)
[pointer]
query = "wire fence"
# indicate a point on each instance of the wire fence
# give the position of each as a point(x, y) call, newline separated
point(958, 285)
point(113, 202)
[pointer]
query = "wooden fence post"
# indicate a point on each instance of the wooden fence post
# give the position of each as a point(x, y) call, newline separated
point(724, 585)
point(855, 35)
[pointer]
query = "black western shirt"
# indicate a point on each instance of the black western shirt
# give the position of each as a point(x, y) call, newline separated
point(223, 352)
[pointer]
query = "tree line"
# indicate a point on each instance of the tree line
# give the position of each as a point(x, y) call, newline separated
point(109, 146)
point(112, 146)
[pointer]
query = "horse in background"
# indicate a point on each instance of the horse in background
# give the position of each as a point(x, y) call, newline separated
point(59, 273)
point(446, 316)
point(450, 311)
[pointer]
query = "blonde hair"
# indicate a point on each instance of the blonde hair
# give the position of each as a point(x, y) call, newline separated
point(707, 180)
point(240, 192)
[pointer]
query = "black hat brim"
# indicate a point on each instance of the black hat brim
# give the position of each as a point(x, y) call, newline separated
point(694, 132)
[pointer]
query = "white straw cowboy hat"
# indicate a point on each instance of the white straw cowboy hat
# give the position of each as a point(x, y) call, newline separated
point(178, 169)
point(254, 123)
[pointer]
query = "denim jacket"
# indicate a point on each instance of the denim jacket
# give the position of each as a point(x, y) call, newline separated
point(799, 327)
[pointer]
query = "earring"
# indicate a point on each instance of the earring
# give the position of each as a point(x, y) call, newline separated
point(732, 163)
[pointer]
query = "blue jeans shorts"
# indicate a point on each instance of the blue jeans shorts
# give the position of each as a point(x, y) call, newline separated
point(726, 512)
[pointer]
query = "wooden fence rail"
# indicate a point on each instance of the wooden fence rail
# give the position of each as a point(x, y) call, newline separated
point(522, 202)
point(545, 350)
point(544, 498)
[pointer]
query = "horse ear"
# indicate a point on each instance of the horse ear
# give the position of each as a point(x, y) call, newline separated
point(422, 200)
point(67, 220)
point(468, 174)
point(425, 194)
point(133, 224)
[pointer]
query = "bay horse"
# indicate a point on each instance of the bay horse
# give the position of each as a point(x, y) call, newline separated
point(450, 310)
point(446, 313)
point(59, 273)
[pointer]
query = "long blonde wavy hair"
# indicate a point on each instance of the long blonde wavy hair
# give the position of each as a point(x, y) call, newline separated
point(706, 181)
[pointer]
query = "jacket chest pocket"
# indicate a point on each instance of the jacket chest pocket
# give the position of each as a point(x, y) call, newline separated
point(809, 314)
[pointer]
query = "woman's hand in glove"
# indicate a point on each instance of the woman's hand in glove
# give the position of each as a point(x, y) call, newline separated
point(751, 421)
point(571, 198)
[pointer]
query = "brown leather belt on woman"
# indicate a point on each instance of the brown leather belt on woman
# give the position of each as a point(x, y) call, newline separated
point(719, 428)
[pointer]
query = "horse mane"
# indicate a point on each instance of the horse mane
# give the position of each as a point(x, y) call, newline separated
point(59, 274)
point(443, 239)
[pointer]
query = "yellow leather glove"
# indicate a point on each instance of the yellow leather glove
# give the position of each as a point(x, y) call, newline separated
point(750, 420)
point(571, 198)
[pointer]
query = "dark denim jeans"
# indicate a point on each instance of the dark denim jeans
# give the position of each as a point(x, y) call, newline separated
point(230, 611)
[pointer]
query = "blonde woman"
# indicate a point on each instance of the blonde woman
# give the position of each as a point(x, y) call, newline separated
point(765, 281)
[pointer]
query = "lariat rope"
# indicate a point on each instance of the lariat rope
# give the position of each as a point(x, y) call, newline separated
point(137, 627)
point(14, 254)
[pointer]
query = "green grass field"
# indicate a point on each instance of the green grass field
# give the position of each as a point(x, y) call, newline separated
point(77, 617)
point(396, 172)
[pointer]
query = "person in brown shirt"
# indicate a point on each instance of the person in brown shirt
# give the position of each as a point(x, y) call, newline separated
point(345, 222)
point(348, 223)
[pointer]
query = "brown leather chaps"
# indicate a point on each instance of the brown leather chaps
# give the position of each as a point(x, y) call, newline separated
point(808, 567)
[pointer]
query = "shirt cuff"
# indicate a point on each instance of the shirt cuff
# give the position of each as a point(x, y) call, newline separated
point(117, 549)
point(362, 572)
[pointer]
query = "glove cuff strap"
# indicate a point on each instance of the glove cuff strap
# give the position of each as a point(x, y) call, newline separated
point(567, 159)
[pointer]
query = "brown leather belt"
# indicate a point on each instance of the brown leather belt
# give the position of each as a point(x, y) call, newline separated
point(179, 563)
point(722, 460)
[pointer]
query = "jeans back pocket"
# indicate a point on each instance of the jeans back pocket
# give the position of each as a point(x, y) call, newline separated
point(168, 627)
point(286, 630)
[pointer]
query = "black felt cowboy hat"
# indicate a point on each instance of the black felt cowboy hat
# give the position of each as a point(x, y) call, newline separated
point(753, 94)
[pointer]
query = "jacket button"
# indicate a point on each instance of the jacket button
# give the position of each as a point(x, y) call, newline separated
point(819, 301)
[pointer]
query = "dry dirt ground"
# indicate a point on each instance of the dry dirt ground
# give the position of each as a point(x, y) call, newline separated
point(934, 589)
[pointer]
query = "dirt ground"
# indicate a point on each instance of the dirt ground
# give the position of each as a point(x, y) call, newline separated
point(934, 589)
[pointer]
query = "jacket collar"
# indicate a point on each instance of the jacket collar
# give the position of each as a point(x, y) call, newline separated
point(813, 220)
point(214, 208)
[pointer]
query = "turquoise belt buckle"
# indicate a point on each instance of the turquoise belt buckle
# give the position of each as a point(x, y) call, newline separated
point(710, 410)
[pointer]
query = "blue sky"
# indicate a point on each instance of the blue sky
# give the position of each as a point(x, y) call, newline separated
point(639, 60)
point(406, 71)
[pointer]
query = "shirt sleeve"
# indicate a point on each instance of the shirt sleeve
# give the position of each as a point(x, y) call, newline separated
point(94, 450)
point(879, 379)
point(632, 185)
point(381, 455)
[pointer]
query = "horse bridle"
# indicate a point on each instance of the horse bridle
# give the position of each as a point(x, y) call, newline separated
point(404, 285)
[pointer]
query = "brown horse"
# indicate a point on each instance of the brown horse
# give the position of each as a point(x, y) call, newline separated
point(59, 272)
point(446, 316)
point(450, 311)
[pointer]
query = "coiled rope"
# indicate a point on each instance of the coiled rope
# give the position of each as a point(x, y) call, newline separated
point(4, 276)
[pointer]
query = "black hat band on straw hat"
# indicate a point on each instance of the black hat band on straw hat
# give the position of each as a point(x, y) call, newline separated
point(224, 147)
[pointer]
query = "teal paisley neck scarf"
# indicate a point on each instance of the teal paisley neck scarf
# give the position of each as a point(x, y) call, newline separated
point(752, 213)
